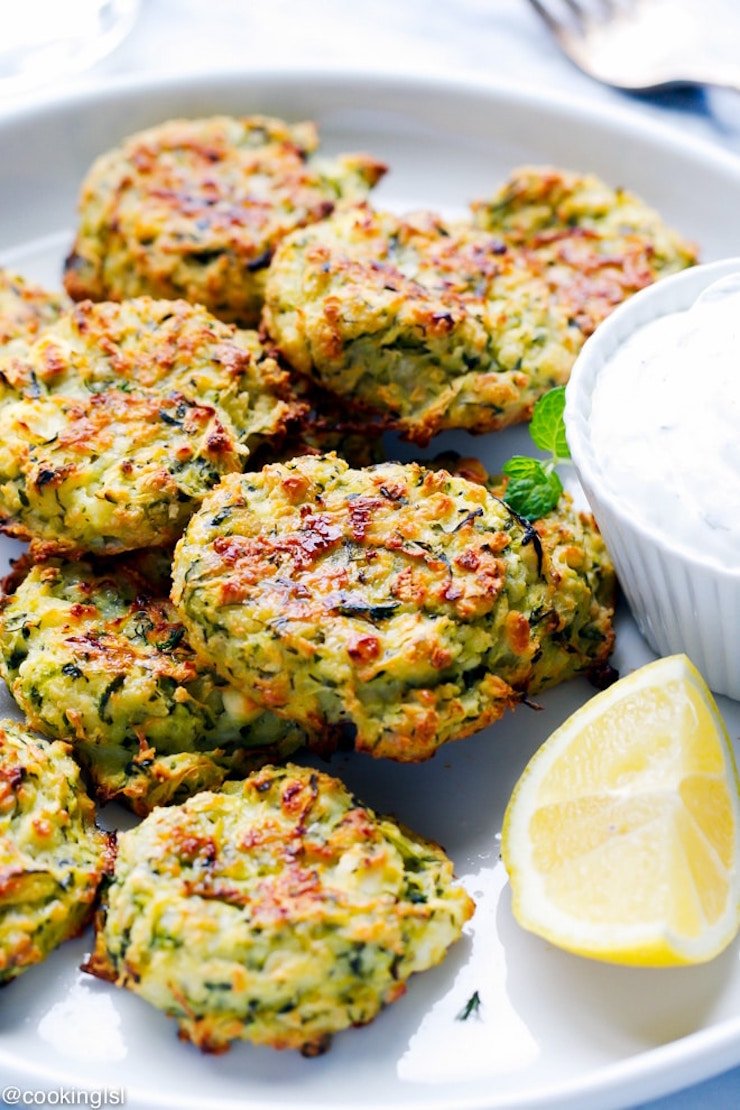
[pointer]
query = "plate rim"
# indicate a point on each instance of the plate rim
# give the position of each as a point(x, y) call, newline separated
point(557, 101)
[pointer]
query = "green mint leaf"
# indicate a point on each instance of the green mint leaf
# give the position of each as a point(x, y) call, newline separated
point(532, 491)
point(522, 466)
point(548, 426)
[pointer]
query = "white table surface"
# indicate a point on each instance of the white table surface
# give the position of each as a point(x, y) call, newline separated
point(501, 38)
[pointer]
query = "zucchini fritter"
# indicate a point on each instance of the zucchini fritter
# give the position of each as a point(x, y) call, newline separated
point(279, 910)
point(118, 418)
point(97, 655)
point(594, 245)
point(583, 578)
point(434, 325)
point(25, 309)
point(165, 346)
point(397, 606)
point(327, 425)
point(110, 472)
point(196, 208)
point(52, 856)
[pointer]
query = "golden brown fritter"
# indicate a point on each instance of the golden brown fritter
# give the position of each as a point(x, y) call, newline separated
point(110, 472)
point(196, 208)
point(164, 346)
point(398, 605)
point(433, 325)
point(279, 911)
point(429, 326)
point(593, 245)
point(119, 417)
point(583, 585)
point(25, 309)
point(95, 654)
point(326, 425)
point(52, 857)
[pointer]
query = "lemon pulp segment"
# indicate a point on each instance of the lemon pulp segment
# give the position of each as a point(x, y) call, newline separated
point(621, 837)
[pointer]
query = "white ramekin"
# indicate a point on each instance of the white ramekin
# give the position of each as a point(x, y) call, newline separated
point(681, 600)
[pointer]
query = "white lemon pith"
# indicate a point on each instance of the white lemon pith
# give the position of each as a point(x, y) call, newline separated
point(621, 837)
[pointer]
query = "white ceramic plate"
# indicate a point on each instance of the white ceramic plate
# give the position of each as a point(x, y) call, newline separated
point(553, 1031)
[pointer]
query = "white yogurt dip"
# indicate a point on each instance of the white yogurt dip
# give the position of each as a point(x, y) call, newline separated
point(665, 424)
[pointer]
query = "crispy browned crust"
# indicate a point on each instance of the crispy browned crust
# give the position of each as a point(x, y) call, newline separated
point(424, 324)
point(293, 911)
point(196, 208)
point(98, 963)
point(436, 325)
point(52, 855)
point(325, 424)
point(169, 435)
point(93, 653)
point(25, 308)
point(401, 604)
point(160, 345)
point(571, 545)
point(592, 245)
point(119, 417)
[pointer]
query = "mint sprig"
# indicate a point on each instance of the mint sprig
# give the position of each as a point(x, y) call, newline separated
point(532, 490)
point(548, 424)
point(534, 487)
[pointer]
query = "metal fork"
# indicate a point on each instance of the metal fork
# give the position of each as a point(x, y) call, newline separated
point(638, 45)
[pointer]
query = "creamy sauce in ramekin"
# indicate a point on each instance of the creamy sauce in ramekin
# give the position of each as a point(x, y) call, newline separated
point(665, 424)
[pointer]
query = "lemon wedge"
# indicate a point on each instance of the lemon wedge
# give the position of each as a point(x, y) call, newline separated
point(621, 837)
